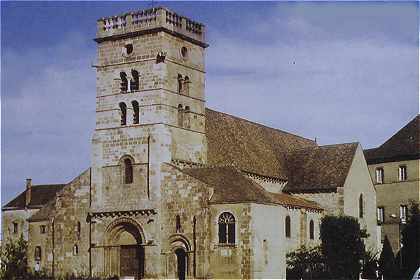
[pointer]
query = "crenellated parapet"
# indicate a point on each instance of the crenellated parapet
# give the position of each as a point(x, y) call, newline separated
point(150, 20)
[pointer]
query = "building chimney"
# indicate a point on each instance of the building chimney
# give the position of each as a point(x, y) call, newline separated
point(28, 191)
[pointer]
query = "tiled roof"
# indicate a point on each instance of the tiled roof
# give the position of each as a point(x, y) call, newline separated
point(40, 195)
point(322, 168)
point(44, 213)
point(249, 146)
point(403, 145)
point(231, 186)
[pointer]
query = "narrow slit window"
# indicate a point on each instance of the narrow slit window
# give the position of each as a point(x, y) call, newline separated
point(361, 210)
point(287, 229)
point(128, 171)
point(311, 230)
point(381, 215)
point(178, 223)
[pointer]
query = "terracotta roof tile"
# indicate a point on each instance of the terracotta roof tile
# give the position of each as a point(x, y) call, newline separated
point(231, 186)
point(249, 146)
point(403, 145)
point(322, 168)
point(40, 195)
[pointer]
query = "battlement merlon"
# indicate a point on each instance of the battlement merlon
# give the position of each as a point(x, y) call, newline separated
point(149, 21)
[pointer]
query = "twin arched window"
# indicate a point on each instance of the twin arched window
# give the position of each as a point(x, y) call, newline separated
point(127, 85)
point(183, 85)
point(136, 112)
point(226, 228)
point(287, 227)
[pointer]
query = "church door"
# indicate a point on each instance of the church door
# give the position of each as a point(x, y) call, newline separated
point(181, 257)
point(131, 261)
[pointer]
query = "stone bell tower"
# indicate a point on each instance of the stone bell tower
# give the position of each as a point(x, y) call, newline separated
point(150, 109)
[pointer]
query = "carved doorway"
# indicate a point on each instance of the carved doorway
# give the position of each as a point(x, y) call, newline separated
point(125, 251)
point(181, 257)
point(131, 261)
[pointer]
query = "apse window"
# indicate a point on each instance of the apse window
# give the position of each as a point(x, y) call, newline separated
point(184, 52)
point(226, 228)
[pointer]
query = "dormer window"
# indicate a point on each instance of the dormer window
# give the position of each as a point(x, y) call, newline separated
point(379, 175)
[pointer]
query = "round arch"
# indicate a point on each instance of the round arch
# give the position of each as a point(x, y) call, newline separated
point(121, 225)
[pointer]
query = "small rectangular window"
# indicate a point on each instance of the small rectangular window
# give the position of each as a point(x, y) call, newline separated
point(403, 213)
point(402, 173)
point(15, 228)
point(42, 229)
point(379, 175)
point(381, 215)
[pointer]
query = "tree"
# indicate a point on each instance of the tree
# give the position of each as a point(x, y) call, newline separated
point(342, 246)
point(387, 262)
point(306, 263)
point(411, 241)
point(13, 260)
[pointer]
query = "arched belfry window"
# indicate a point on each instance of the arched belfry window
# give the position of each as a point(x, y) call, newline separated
point(128, 171)
point(226, 228)
point(136, 116)
point(287, 227)
point(180, 83)
point(180, 115)
point(186, 87)
point(361, 206)
point(311, 229)
point(124, 82)
point(187, 119)
point(134, 84)
point(123, 113)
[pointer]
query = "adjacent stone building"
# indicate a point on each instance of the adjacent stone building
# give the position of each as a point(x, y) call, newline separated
point(176, 190)
point(395, 169)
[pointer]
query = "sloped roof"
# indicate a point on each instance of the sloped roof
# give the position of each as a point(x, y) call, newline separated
point(40, 195)
point(403, 145)
point(249, 146)
point(322, 168)
point(231, 186)
point(44, 213)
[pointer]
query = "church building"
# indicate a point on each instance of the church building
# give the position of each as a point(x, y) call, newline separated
point(177, 190)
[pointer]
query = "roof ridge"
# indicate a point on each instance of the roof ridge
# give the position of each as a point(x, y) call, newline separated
point(262, 125)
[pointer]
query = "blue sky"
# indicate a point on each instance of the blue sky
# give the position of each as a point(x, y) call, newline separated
point(339, 72)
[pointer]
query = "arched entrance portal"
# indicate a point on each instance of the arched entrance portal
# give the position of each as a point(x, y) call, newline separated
point(178, 259)
point(125, 253)
point(181, 257)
